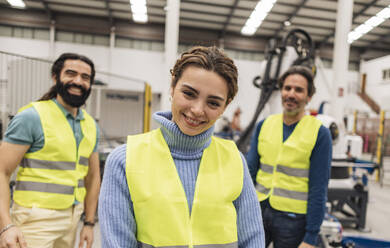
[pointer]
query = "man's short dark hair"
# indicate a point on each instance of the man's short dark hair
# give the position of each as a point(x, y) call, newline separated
point(304, 72)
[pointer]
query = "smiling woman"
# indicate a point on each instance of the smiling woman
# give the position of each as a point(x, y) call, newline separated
point(179, 185)
point(198, 100)
point(204, 82)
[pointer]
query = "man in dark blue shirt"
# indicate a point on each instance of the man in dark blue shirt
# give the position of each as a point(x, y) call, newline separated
point(289, 161)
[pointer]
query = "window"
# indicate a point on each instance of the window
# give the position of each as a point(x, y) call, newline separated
point(386, 75)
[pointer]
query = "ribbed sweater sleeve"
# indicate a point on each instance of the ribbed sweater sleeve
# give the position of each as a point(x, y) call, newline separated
point(116, 218)
point(249, 221)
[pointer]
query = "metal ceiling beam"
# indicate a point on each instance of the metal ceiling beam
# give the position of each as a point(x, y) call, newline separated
point(109, 12)
point(48, 11)
point(373, 2)
point(211, 4)
point(301, 6)
point(356, 15)
point(380, 40)
point(374, 5)
point(235, 4)
point(290, 16)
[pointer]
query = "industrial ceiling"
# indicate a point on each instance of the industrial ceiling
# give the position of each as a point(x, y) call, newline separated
point(205, 21)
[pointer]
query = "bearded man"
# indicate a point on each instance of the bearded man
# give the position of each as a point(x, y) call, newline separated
point(55, 143)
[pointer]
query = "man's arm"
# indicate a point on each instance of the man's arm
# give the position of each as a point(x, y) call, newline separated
point(319, 173)
point(92, 185)
point(253, 157)
point(11, 155)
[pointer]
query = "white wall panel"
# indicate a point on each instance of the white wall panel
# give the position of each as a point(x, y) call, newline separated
point(376, 87)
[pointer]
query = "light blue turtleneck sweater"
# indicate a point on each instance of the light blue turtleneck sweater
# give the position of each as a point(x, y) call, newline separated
point(116, 215)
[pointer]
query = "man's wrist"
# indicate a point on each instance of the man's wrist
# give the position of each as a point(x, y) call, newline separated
point(310, 238)
point(4, 229)
point(89, 223)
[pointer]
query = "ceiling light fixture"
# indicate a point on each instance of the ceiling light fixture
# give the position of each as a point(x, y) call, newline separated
point(368, 25)
point(17, 3)
point(257, 16)
point(139, 11)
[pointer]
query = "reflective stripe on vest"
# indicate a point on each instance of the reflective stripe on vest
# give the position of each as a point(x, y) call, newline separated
point(290, 194)
point(231, 245)
point(80, 183)
point(160, 205)
point(262, 189)
point(44, 187)
point(83, 161)
point(284, 171)
point(267, 168)
point(49, 165)
point(53, 177)
point(294, 172)
point(282, 192)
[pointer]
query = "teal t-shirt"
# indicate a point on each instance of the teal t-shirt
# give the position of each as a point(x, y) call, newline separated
point(26, 128)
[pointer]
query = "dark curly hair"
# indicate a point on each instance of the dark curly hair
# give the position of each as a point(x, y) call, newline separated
point(211, 59)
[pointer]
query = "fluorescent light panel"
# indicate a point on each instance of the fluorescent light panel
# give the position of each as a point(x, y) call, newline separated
point(139, 10)
point(17, 3)
point(142, 18)
point(257, 16)
point(368, 25)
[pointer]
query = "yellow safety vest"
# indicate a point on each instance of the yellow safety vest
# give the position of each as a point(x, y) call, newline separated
point(160, 205)
point(53, 177)
point(284, 166)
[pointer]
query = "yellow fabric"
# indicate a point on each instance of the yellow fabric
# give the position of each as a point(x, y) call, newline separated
point(47, 228)
point(60, 146)
point(294, 153)
point(160, 205)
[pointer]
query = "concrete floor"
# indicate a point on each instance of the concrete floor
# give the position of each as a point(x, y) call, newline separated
point(378, 212)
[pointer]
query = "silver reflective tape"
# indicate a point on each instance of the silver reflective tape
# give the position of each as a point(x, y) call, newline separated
point(143, 245)
point(80, 183)
point(290, 194)
point(83, 161)
point(44, 187)
point(267, 168)
point(294, 172)
point(50, 165)
point(230, 245)
point(262, 189)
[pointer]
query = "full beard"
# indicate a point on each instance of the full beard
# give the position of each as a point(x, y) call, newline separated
point(70, 99)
